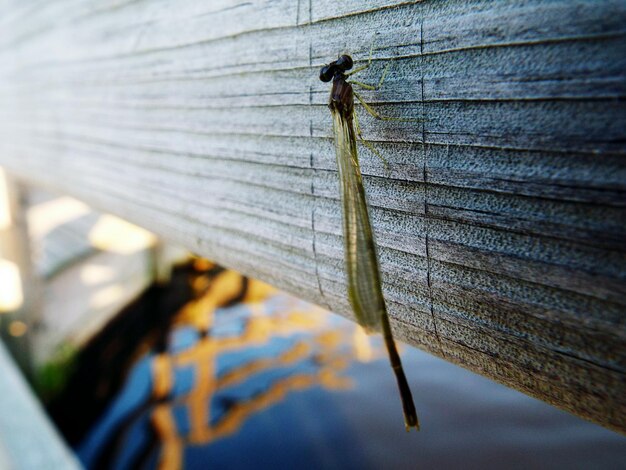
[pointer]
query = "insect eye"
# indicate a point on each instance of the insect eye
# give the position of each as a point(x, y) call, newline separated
point(344, 62)
point(326, 73)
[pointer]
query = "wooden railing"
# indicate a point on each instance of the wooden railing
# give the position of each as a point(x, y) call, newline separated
point(500, 222)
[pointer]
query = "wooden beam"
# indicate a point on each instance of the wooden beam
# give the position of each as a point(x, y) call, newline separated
point(500, 224)
point(27, 437)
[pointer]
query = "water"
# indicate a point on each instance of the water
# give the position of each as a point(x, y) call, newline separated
point(279, 383)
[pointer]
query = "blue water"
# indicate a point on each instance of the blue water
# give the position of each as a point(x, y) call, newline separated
point(467, 421)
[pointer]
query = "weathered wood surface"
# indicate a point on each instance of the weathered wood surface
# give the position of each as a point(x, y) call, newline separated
point(501, 223)
point(28, 440)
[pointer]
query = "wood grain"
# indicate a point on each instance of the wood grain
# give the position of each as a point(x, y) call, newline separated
point(500, 224)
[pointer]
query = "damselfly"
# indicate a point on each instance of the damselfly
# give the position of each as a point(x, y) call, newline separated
point(364, 283)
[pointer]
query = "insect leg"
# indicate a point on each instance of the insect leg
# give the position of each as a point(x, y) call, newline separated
point(360, 69)
point(376, 115)
point(363, 67)
point(357, 128)
point(367, 86)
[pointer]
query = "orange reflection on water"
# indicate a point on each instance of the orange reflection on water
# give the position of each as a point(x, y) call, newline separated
point(318, 342)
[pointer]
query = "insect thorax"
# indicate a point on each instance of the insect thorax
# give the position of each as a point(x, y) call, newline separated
point(341, 96)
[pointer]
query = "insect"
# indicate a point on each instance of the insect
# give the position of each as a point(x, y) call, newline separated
point(364, 282)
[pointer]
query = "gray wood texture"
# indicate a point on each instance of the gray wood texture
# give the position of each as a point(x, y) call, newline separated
point(500, 223)
point(28, 440)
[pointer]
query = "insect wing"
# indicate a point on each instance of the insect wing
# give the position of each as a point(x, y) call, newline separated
point(364, 288)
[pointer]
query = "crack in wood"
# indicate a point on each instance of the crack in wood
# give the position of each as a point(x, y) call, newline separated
point(426, 215)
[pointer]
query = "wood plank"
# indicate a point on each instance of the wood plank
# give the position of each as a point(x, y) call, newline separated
point(500, 222)
point(27, 437)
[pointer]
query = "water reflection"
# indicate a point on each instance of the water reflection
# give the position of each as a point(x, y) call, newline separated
point(251, 378)
point(221, 366)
